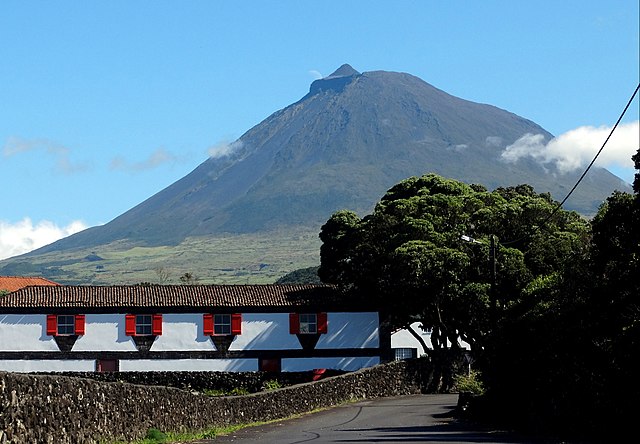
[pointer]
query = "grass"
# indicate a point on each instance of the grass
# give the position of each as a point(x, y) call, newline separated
point(235, 392)
point(258, 258)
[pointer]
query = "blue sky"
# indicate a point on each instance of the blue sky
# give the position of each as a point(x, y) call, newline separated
point(104, 103)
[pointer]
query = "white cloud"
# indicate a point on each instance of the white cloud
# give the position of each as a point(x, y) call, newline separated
point(576, 148)
point(23, 236)
point(61, 154)
point(224, 149)
point(157, 158)
point(315, 74)
point(493, 141)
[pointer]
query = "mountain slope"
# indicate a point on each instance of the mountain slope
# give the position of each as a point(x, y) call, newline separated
point(342, 145)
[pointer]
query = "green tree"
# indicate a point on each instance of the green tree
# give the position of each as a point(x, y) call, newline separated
point(307, 275)
point(411, 256)
point(565, 362)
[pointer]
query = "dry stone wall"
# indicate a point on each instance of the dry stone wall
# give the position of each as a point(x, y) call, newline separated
point(61, 410)
point(202, 380)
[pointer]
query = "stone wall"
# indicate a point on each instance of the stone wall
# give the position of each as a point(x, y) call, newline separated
point(202, 380)
point(58, 409)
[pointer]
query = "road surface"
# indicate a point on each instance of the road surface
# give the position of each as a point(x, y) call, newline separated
point(404, 419)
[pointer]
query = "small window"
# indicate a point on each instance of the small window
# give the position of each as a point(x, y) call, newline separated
point(144, 325)
point(66, 325)
point(308, 323)
point(405, 353)
point(270, 365)
point(107, 365)
point(222, 324)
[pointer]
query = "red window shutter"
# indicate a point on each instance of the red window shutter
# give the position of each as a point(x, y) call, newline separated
point(130, 325)
point(156, 326)
point(322, 323)
point(207, 323)
point(52, 325)
point(236, 323)
point(79, 324)
point(294, 323)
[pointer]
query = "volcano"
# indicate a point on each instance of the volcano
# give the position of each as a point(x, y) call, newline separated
point(341, 146)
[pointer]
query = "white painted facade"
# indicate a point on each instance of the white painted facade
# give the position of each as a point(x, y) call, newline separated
point(404, 339)
point(183, 332)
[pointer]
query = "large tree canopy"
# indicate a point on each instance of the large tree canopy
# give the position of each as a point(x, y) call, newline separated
point(425, 254)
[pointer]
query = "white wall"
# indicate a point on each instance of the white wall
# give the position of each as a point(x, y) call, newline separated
point(348, 364)
point(404, 339)
point(265, 331)
point(270, 331)
point(183, 332)
point(350, 330)
point(104, 332)
point(206, 365)
point(67, 365)
point(25, 333)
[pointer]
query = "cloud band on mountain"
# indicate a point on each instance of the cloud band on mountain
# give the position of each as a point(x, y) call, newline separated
point(157, 158)
point(224, 149)
point(576, 148)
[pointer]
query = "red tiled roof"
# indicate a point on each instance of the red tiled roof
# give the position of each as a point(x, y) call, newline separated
point(177, 297)
point(13, 283)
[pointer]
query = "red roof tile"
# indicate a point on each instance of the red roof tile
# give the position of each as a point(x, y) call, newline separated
point(178, 298)
point(13, 283)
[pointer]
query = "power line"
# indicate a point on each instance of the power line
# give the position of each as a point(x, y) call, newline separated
point(597, 154)
point(558, 206)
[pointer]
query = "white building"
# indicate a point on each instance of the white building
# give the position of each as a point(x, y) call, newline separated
point(188, 327)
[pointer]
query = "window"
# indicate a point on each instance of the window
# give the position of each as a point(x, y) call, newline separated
point(143, 324)
point(405, 353)
point(107, 365)
point(222, 324)
point(308, 323)
point(65, 325)
point(270, 365)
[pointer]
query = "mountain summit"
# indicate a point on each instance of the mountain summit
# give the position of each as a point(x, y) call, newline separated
point(345, 70)
point(342, 145)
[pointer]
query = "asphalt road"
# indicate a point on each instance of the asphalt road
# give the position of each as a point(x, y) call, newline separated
point(405, 419)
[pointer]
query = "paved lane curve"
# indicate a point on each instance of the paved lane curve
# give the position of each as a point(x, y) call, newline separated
point(404, 419)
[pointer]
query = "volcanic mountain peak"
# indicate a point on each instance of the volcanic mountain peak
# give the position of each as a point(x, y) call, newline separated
point(345, 70)
point(341, 147)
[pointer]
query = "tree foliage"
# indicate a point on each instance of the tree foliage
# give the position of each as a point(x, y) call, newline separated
point(411, 256)
point(566, 364)
point(559, 355)
point(307, 275)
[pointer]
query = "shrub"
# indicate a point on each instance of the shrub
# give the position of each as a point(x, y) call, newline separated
point(469, 383)
point(156, 435)
point(271, 385)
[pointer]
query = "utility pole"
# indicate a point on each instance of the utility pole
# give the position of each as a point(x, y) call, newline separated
point(492, 265)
